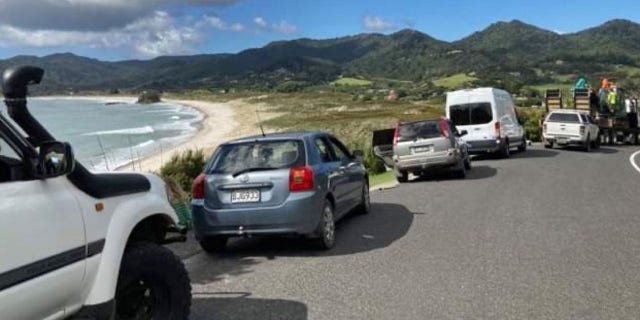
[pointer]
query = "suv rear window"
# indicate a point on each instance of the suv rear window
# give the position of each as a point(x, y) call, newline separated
point(419, 130)
point(471, 113)
point(564, 117)
point(279, 154)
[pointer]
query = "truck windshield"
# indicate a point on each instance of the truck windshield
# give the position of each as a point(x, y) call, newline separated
point(419, 130)
point(564, 117)
point(263, 155)
point(471, 113)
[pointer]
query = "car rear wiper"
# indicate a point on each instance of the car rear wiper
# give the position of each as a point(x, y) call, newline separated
point(237, 173)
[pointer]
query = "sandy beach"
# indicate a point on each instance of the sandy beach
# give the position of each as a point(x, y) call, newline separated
point(222, 122)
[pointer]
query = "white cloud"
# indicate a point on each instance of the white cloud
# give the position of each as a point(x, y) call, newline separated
point(560, 32)
point(219, 24)
point(282, 27)
point(260, 22)
point(375, 23)
point(151, 36)
point(88, 15)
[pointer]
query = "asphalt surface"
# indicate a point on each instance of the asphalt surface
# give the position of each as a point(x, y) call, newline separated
point(547, 234)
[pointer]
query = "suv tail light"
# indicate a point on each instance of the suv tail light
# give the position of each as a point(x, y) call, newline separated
point(197, 188)
point(301, 179)
point(498, 133)
point(396, 135)
point(444, 128)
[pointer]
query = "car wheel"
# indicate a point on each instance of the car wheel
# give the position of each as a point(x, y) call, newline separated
point(327, 227)
point(402, 176)
point(461, 170)
point(505, 151)
point(467, 163)
point(523, 146)
point(365, 204)
point(214, 244)
point(153, 284)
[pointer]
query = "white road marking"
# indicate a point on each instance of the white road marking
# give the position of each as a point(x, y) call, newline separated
point(633, 162)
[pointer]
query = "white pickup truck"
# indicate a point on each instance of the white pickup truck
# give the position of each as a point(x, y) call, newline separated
point(75, 244)
point(570, 127)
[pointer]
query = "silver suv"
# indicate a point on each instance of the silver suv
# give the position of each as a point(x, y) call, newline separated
point(423, 146)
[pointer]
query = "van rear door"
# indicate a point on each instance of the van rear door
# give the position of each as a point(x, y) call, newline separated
point(382, 144)
point(476, 118)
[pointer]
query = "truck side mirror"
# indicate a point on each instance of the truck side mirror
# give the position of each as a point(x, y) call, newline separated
point(55, 159)
point(463, 133)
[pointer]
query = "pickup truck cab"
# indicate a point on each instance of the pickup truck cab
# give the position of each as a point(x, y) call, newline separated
point(570, 128)
point(76, 244)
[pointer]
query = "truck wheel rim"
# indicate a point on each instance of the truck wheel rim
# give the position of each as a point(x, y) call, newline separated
point(144, 298)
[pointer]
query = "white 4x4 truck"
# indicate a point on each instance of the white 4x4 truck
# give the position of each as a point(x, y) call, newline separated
point(570, 127)
point(79, 245)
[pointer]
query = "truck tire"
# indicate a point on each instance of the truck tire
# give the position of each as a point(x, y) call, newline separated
point(153, 284)
point(588, 144)
point(548, 144)
point(402, 176)
point(214, 244)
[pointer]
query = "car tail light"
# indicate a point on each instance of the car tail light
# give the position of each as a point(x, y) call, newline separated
point(301, 179)
point(498, 135)
point(582, 130)
point(396, 135)
point(197, 188)
point(444, 128)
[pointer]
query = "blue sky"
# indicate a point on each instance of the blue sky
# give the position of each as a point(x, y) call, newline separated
point(141, 29)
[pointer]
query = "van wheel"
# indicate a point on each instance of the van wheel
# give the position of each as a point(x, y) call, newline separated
point(214, 244)
point(153, 284)
point(402, 176)
point(327, 228)
point(505, 151)
point(523, 146)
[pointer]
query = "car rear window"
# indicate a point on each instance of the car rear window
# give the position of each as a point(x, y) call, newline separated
point(419, 130)
point(471, 113)
point(279, 154)
point(564, 117)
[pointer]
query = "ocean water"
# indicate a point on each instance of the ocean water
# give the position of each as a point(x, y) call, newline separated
point(105, 136)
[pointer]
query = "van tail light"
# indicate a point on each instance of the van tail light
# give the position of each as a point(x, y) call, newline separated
point(197, 188)
point(444, 128)
point(582, 128)
point(301, 179)
point(498, 133)
point(396, 135)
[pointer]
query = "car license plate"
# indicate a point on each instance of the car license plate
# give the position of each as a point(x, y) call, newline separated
point(245, 196)
point(422, 149)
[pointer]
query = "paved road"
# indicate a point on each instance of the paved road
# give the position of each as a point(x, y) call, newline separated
point(549, 234)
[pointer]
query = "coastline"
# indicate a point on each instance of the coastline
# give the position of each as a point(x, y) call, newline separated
point(221, 122)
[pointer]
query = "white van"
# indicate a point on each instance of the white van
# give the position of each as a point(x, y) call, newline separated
point(489, 117)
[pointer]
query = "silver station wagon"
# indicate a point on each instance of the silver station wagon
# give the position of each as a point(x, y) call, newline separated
point(295, 183)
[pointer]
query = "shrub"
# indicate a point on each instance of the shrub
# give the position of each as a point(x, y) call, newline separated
point(184, 168)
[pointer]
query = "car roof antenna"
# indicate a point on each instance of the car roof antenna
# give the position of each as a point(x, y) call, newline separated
point(260, 122)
